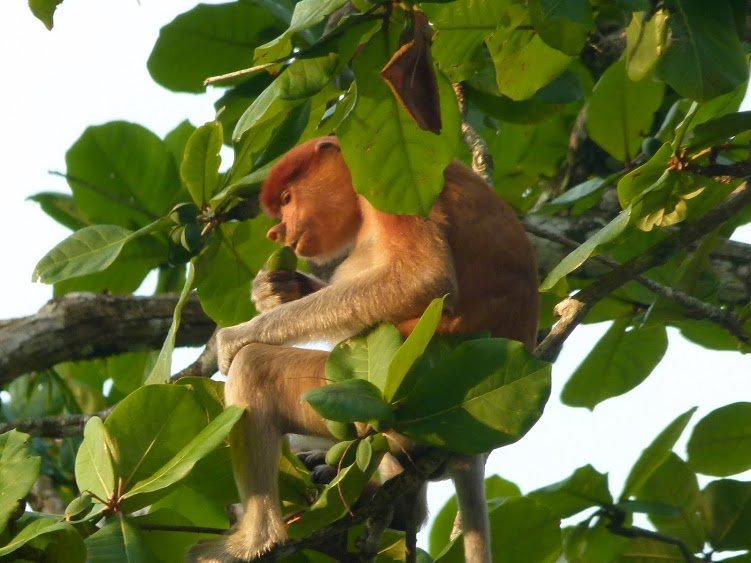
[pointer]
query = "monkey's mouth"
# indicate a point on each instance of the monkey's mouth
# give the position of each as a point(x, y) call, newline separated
point(293, 244)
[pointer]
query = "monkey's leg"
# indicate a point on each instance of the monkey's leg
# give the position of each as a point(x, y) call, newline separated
point(267, 381)
point(468, 474)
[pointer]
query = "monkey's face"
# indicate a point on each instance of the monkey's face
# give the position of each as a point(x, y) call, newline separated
point(319, 212)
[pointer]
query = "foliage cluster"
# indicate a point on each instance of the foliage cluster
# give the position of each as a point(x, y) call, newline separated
point(575, 100)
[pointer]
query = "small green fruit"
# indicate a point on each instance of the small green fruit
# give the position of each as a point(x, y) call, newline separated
point(184, 213)
point(176, 253)
point(379, 443)
point(283, 259)
point(190, 238)
point(78, 506)
point(338, 452)
point(342, 430)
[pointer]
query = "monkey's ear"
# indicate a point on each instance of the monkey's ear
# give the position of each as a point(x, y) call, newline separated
point(327, 143)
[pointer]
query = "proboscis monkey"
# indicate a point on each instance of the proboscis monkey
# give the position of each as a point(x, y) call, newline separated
point(471, 247)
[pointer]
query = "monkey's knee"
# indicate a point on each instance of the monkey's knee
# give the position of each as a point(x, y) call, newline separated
point(241, 378)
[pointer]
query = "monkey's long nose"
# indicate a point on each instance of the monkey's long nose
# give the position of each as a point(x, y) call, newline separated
point(276, 233)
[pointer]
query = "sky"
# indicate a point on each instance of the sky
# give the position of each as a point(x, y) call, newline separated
point(92, 69)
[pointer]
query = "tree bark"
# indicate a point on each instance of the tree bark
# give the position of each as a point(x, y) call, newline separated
point(83, 326)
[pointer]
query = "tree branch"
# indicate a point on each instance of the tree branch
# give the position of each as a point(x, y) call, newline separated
point(53, 426)
point(387, 495)
point(573, 309)
point(695, 308)
point(83, 326)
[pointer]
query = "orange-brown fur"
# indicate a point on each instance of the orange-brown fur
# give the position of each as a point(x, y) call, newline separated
point(471, 247)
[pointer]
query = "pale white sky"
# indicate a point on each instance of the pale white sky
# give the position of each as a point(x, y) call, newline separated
point(92, 69)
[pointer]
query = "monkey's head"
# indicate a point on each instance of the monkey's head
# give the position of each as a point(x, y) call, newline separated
point(310, 191)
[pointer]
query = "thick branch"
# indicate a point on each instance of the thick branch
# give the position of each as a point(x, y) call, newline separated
point(573, 309)
point(53, 426)
point(84, 326)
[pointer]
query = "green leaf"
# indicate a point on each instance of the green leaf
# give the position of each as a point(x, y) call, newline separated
point(18, 471)
point(655, 454)
point(461, 27)
point(705, 56)
point(87, 251)
point(125, 274)
point(584, 489)
point(495, 487)
point(637, 182)
point(522, 531)
point(620, 361)
point(408, 353)
point(119, 541)
point(141, 444)
point(500, 395)
point(201, 160)
point(225, 270)
point(44, 10)
point(162, 369)
point(122, 174)
point(94, 472)
point(674, 484)
point(62, 208)
point(365, 357)
point(177, 139)
point(585, 544)
point(364, 454)
point(297, 82)
point(646, 507)
point(726, 512)
point(620, 112)
point(199, 447)
point(65, 536)
point(396, 165)
point(580, 191)
point(577, 257)
point(646, 41)
point(562, 24)
point(524, 63)
point(721, 442)
point(720, 129)
point(209, 40)
point(647, 549)
point(166, 545)
point(351, 400)
point(307, 13)
point(336, 500)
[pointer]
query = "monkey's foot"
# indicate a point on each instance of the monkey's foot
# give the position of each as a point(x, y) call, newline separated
point(314, 461)
point(231, 549)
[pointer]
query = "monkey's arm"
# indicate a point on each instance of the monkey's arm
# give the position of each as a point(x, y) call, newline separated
point(393, 293)
point(271, 289)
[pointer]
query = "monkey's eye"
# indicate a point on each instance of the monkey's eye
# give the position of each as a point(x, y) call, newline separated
point(285, 197)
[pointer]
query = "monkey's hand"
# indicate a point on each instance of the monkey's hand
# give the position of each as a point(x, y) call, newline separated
point(271, 289)
point(229, 341)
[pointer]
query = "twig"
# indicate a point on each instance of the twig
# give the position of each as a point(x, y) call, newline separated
point(482, 160)
point(175, 528)
point(370, 541)
point(615, 526)
point(695, 307)
point(572, 310)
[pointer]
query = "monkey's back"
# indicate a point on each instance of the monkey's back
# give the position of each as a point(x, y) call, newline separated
point(494, 261)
